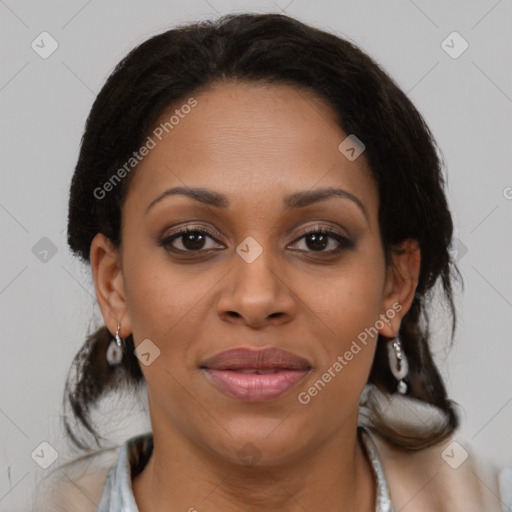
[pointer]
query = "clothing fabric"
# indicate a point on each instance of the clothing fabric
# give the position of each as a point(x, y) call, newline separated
point(133, 456)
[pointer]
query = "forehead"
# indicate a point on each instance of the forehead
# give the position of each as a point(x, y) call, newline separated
point(252, 141)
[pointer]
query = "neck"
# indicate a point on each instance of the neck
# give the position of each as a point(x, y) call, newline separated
point(180, 476)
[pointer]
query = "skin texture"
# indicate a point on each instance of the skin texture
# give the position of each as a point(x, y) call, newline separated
point(254, 143)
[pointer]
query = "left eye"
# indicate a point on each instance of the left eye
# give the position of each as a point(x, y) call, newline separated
point(317, 240)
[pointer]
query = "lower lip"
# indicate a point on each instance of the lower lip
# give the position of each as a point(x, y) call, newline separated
point(251, 387)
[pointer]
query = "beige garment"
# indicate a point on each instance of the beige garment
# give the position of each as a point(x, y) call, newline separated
point(448, 477)
point(424, 481)
point(77, 488)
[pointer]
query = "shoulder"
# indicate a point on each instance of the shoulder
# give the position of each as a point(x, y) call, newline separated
point(96, 481)
point(76, 486)
point(449, 476)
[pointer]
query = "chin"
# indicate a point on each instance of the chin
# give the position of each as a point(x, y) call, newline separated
point(263, 440)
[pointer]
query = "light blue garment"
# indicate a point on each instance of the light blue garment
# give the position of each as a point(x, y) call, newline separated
point(118, 494)
point(134, 454)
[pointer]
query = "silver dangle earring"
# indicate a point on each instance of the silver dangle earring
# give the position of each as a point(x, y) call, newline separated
point(115, 350)
point(398, 364)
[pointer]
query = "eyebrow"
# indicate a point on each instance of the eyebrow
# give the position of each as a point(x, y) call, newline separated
point(294, 200)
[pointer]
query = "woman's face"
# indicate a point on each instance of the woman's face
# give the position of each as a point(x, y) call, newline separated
point(251, 278)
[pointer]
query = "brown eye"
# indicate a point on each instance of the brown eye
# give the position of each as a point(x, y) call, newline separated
point(188, 240)
point(320, 239)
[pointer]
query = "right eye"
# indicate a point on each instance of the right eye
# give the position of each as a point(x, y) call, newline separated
point(191, 239)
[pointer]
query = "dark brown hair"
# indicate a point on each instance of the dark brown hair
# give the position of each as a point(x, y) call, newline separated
point(272, 48)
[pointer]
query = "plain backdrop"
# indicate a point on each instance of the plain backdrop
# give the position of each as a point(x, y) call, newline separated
point(47, 300)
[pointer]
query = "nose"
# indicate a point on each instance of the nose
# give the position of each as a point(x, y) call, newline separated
point(256, 293)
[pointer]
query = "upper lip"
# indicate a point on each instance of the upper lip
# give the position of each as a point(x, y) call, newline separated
point(251, 358)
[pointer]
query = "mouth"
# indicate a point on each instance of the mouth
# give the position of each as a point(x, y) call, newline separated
point(255, 375)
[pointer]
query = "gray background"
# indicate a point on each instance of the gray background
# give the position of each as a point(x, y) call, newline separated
point(48, 306)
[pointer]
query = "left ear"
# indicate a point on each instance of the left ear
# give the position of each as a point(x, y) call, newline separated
point(400, 286)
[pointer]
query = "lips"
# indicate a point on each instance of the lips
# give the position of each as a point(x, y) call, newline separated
point(255, 375)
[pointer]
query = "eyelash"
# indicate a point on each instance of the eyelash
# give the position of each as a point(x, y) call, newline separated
point(344, 243)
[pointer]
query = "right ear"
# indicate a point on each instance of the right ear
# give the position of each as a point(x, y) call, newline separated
point(109, 285)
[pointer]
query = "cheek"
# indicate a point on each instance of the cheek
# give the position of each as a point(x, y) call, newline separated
point(350, 300)
point(166, 303)
point(350, 312)
point(164, 306)
point(349, 306)
point(154, 295)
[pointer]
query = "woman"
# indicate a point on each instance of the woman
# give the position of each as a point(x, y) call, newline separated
point(264, 214)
